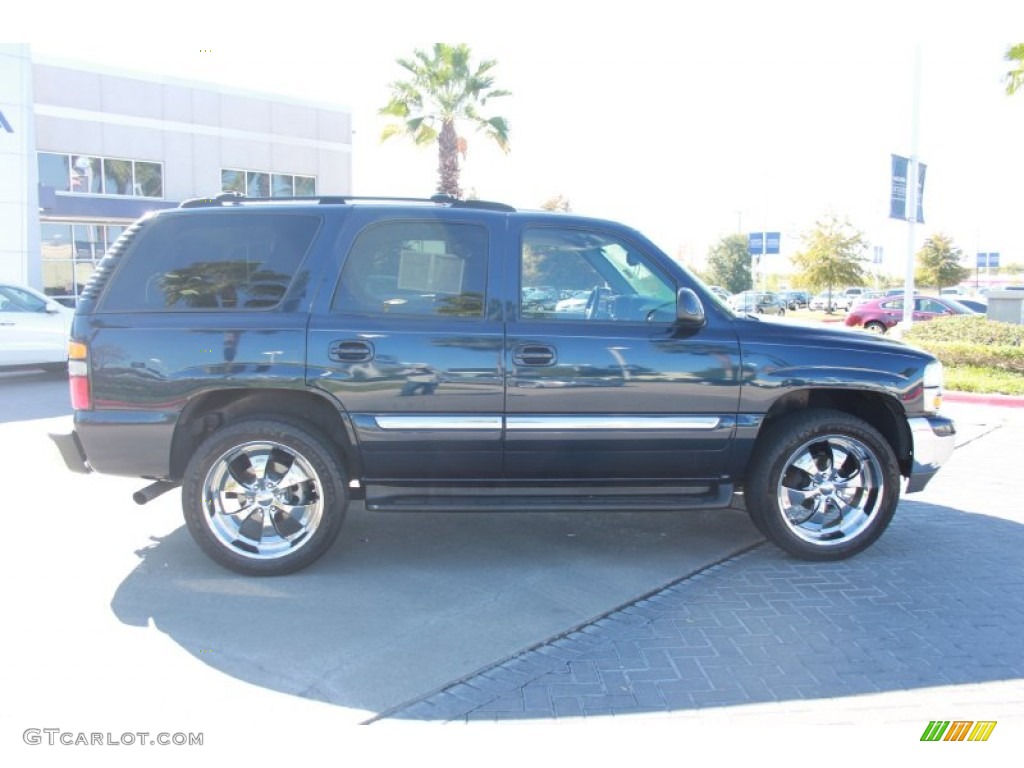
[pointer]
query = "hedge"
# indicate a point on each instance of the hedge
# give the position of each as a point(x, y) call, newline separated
point(971, 340)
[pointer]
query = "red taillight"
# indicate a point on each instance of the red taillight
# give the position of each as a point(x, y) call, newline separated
point(78, 376)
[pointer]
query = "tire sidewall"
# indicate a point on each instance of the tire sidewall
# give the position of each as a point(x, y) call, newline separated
point(303, 440)
point(773, 451)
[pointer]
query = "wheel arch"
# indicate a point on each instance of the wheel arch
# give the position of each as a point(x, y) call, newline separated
point(881, 411)
point(212, 410)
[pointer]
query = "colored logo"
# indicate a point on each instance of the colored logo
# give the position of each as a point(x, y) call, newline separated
point(4, 124)
point(958, 730)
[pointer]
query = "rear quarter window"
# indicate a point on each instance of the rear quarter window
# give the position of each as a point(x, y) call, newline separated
point(225, 261)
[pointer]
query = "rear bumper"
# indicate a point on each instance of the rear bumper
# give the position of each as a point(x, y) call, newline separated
point(934, 441)
point(72, 452)
point(125, 443)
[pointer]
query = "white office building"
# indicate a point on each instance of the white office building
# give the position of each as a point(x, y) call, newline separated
point(84, 151)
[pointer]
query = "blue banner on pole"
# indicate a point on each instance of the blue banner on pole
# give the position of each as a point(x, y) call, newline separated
point(756, 243)
point(898, 193)
point(921, 168)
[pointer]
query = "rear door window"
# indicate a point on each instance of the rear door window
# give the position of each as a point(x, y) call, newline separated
point(225, 261)
point(429, 269)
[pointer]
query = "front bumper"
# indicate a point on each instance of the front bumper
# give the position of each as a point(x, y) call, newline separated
point(934, 440)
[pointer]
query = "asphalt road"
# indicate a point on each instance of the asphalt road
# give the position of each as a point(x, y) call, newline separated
point(117, 623)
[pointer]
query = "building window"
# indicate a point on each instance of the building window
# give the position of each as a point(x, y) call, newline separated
point(70, 254)
point(257, 184)
point(117, 175)
point(261, 184)
point(55, 171)
point(84, 174)
point(149, 181)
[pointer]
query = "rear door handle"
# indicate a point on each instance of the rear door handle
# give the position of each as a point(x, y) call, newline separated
point(351, 351)
point(534, 354)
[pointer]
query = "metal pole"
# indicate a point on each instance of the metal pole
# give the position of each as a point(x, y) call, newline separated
point(764, 238)
point(912, 170)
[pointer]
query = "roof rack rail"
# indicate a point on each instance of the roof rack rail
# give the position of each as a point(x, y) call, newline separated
point(221, 199)
point(236, 198)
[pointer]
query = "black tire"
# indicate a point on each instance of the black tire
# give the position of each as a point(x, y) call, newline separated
point(800, 512)
point(271, 466)
point(875, 327)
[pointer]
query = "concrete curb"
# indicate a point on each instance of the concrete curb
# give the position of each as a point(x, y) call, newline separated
point(1006, 401)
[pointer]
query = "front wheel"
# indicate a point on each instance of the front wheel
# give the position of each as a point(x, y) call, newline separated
point(823, 485)
point(264, 497)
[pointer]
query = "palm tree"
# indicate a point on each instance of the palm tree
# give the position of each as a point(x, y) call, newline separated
point(1015, 77)
point(443, 90)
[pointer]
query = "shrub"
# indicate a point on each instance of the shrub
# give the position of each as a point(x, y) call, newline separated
point(965, 340)
point(970, 329)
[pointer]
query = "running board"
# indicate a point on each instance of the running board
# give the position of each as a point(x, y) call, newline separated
point(555, 498)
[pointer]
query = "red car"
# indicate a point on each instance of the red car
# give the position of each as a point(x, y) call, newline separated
point(879, 315)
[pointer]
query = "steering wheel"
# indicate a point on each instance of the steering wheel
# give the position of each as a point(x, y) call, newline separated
point(594, 301)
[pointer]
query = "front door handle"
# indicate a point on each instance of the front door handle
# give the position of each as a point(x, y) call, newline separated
point(351, 351)
point(534, 355)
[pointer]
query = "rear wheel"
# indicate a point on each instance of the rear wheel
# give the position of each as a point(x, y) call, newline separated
point(875, 327)
point(264, 497)
point(823, 485)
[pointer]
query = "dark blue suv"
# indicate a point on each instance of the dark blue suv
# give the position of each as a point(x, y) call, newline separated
point(277, 359)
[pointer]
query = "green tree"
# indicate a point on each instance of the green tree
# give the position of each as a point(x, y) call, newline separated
point(833, 255)
point(444, 89)
point(729, 264)
point(1015, 77)
point(938, 263)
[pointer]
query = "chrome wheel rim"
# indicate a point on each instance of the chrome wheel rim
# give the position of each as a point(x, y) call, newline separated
point(831, 490)
point(262, 500)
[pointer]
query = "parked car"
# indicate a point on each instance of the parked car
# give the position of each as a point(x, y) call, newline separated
point(980, 307)
point(757, 303)
point(826, 302)
point(720, 292)
point(279, 360)
point(864, 298)
point(34, 329)
point(574, 304)
point(794, 300)
point(879, 315)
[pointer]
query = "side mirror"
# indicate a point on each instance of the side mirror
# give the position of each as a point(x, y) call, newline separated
point(689, 310)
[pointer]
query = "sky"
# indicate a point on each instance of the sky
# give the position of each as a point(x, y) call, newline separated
point(689, 121)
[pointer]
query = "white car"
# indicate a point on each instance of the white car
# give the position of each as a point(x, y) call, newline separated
point(34, 329)
point(573, 306)
point(821, 301)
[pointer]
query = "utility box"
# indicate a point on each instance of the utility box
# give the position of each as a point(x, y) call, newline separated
point(1006, 306)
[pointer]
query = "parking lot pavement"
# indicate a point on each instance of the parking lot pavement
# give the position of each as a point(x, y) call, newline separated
point(926, 624)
